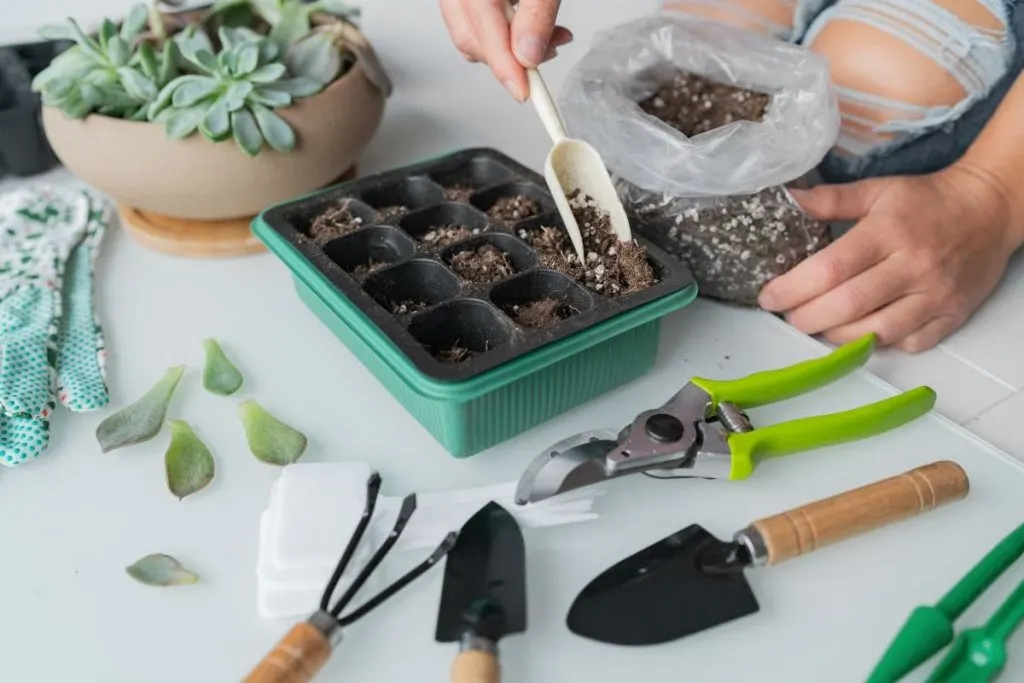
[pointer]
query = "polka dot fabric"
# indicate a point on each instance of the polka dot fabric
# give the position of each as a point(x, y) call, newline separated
point(49, 337)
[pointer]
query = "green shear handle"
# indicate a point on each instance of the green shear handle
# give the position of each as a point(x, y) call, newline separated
point(809, 433)
point(772, 386)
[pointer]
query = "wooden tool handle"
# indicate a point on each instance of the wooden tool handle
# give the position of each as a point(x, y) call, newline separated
point(298, 657)
point(475, 666)
point(806, 528)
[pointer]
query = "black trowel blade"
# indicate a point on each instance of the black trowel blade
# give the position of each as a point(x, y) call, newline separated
point(660, 594)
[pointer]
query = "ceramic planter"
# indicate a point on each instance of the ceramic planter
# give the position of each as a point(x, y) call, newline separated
point(199, 180)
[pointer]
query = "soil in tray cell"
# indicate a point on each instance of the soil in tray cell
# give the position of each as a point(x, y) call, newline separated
point(486, 263)
point(542, 313)
point(513, 209)
point(448, 234)
point(333, 222)
point(612, 268)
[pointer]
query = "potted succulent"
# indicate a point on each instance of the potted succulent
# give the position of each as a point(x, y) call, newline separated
point(209, 115)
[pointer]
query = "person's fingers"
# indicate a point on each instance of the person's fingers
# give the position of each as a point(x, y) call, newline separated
point(851, 254)
point(892, 324)
point(840, 202)
point(856, 298)
point(492, 35)
point(929, 335)
point(460, 29)
point(532, 29)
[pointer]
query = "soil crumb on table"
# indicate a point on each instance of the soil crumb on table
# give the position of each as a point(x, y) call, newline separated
point(542, 313)
point(458, 193)
point(392, 214)
point(364, 269)
point(445, 235)
point(693, 104)
point(515, 208)
point(611, 268)
point(484, 264)
point(333, 222)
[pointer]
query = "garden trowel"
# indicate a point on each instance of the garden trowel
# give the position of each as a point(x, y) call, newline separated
point(691, 581)
point(573, 165)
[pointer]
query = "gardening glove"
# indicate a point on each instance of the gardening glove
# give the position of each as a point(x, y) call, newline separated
point(50, 340)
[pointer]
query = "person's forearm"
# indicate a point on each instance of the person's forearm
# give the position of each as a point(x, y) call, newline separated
point(998, 152)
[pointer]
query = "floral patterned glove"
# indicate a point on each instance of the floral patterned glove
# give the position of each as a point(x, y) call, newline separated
point(51, 344)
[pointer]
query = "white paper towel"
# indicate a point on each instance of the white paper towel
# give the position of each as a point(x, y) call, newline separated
point(315, 507)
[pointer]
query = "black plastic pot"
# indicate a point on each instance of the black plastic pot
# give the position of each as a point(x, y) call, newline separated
point(24, 149)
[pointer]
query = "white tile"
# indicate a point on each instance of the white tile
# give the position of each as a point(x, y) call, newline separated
point(989, 339)
point(1001, 426)
point(964, 392)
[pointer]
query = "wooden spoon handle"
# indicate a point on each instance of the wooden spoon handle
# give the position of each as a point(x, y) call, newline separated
point(809, 527)
point(476, 666)
point(298, 657)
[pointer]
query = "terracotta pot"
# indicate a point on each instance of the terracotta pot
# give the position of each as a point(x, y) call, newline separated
point(137, 164)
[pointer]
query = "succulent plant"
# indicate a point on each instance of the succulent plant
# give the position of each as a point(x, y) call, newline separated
point(233, 94)
point(110, 74)
point(267, 55)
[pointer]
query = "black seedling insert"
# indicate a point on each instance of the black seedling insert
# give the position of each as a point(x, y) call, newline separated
point(24, 149)
point(459, 261)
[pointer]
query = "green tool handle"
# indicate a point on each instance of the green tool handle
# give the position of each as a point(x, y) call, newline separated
point(981, 576)
point(772, 386)
point(808, 433)
point(1005, 620)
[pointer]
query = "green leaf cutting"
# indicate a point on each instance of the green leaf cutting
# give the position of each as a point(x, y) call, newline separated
point(270, 440)
point(188, 462)
point(220, 376)
point(141, 420)
point(159, 569)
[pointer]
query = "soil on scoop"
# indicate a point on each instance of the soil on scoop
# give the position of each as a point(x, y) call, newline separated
point(611, 268)
point(693, 104)
point(458, 193)
point(445, 235)
point(515, 208)
point(541, 313)
point(484, 264)
point(332, 222)
point(364, 269)
point(392, 214)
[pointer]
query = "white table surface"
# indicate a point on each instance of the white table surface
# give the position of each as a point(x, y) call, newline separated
point(75, 518)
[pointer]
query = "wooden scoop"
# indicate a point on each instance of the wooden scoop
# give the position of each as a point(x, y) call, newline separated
point(573, 165)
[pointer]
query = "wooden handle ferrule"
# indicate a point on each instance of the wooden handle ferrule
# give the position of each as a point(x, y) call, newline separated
point(476, 666)
point(801, 530)
point(298, 657)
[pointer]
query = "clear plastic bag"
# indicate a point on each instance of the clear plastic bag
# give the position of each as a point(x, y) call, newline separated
point(732, 245)
point(626, 64)
point(716, 200)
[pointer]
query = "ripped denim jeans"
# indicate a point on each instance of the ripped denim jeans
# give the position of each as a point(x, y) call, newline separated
point(917, 80)
point(887, 135)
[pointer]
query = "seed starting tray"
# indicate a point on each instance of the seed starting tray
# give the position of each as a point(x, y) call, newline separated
point(454, 312)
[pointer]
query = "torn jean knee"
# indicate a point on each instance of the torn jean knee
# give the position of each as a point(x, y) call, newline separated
point(975, 57)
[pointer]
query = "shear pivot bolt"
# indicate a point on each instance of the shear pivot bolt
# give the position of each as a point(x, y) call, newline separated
point(664, 428)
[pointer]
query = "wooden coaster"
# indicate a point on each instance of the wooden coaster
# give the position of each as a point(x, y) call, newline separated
point(195, 238)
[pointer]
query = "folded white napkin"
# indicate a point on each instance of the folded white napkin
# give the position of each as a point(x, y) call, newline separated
point(315, 508)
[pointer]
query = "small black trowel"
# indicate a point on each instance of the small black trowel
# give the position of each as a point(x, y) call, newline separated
point(691, 581)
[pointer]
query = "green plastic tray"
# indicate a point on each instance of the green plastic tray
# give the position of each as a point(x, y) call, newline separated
point(467, 416)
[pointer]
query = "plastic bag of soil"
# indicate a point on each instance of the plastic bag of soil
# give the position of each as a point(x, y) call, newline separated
point(703, 126)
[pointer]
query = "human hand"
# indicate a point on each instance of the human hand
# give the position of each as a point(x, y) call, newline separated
point(481, 33)
point(925, 253)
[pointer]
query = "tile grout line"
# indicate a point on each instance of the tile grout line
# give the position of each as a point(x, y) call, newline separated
point(978, 369)
point(993, 407)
